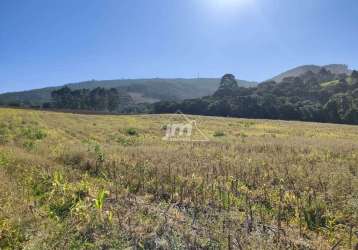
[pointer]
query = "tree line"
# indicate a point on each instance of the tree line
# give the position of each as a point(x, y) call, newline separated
point(98, 99)
point(320, 97)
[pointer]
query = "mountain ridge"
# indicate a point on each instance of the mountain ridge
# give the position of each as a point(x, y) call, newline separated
point(317, 97)
point(302, 69)
point(150, 89)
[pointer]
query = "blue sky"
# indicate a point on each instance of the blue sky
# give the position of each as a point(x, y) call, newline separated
point(46, 43)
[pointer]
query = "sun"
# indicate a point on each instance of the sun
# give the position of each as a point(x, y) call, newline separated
point(230, 3)
point(224, 11)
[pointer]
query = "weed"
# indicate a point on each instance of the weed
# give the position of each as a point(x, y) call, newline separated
point(4, 161)
point(126, 141)
point(33, 133)
point(100, 199)
point(314, 215)
point(11, 235)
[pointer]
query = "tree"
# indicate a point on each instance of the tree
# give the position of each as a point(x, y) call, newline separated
point(47, 105)
point(325, 75)
point(113, 99)
point(166, 107)
point(14, 104)
point(321, 97)
point(228, 85)
point(219, 108)
point(354, 74)
point(228, 81)
point(98, 99)
point(62, 97)
point(337, 108)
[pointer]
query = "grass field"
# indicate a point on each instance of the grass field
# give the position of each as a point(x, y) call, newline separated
point(110, 182)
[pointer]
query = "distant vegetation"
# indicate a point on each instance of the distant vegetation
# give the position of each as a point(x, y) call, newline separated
point(307, 93)
point(322, 97)
point(298, 71)
point(141, 90)
point(98, 99)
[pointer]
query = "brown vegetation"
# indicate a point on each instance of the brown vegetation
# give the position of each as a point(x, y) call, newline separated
point(109, 182)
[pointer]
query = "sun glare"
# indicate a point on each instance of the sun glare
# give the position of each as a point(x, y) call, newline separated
point(217, 7)
point(230, 3)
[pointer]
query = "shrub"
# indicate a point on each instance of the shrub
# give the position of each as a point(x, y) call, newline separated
point(73, 158)
point(40, 185)
point(29, 145)
point(131, 131)
point(61, 208)
point(314, 215)
point(243, 135)
point(64, 196)
point(82, 161)
point(219, 133)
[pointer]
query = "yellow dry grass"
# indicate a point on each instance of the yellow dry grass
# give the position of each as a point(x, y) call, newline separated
point(86, 182)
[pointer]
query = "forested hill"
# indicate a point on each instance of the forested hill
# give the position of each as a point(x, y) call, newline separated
point(321, 96)
point(141, 90)
point(295, 72)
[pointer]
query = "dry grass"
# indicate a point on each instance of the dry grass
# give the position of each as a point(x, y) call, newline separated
point(110, 182)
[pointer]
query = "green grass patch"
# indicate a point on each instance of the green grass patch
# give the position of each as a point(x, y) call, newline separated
point(4, 161)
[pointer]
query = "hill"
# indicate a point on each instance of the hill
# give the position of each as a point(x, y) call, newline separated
point(296, 72)
point(110, 182)
point(321, 97)
point(141, 90)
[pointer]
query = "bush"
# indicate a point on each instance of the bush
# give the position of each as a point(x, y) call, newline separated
point(131, 131)
point(82, 161)
point(219, 133)
point(14, 104)
point(40, 185)
point(314, 215)
point(29, 145)
point(73, 158)
point(47, 105)
point(64, 196)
